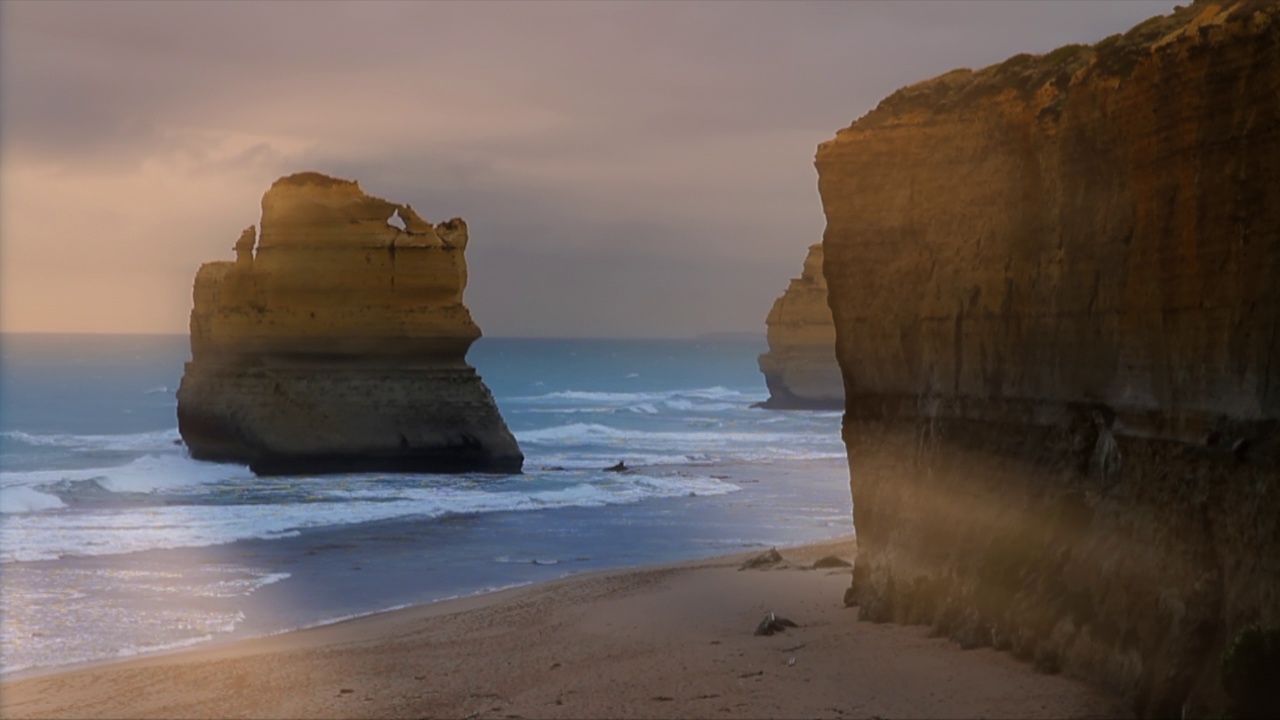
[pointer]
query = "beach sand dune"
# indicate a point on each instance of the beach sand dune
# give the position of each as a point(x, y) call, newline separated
point(670, 641)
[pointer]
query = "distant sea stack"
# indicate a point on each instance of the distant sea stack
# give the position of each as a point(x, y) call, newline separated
point(1056, 290)
point(800, 367)
point(336, 341)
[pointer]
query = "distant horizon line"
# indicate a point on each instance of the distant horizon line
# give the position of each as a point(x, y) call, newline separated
point(722, 335)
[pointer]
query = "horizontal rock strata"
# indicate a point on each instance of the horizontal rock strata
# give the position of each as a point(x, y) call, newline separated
point(1054, 284)
point(337, 340)
point(800, 367)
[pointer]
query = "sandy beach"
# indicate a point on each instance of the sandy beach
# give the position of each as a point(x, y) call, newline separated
point(667, 641)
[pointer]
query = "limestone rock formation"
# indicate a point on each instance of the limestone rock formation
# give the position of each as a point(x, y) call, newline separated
point(336, 341)
point(1056, 288)
point(800, 367)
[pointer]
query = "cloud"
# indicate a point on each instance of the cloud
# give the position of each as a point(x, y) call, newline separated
point(661, 143)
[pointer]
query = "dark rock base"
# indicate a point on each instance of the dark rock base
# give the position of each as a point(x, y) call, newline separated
point(326, 419)
point(782, 397)
point(1125, 561)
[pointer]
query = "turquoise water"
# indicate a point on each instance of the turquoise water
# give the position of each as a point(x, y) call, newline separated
point(113, 542)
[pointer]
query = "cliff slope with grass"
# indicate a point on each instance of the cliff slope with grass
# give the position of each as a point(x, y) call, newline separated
point(1055, 284)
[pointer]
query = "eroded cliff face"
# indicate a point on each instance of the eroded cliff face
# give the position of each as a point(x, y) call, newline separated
point(337, 341)
point(1055, 289)
point(800, 367)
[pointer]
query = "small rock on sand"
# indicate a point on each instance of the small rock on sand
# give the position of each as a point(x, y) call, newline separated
point(773, 623)
point(763, 560)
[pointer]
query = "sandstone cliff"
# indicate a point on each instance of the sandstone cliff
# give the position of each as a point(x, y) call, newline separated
point(800, 367)
point(1055, 288)
point(337, 340)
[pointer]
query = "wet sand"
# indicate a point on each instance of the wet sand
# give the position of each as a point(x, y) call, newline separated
point(669, 641)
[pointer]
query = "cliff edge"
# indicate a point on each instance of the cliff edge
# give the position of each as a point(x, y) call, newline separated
point(800, 367)
point(1054, 286)
point(336, 341)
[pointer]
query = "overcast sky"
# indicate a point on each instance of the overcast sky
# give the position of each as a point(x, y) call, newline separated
point(626, 169)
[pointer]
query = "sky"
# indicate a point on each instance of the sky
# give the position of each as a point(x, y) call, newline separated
point(626, 169)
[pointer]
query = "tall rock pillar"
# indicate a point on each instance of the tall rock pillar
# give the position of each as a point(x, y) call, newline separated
point(800, 367)
point(336, 341)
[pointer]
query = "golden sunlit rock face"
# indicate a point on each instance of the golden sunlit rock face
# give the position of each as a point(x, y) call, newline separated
point(1055, 289)
point(800, 366)
point(337, 341)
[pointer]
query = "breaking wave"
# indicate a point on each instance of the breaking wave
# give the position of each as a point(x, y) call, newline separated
point(627, 398)
point(340, 500)
point(136, 442)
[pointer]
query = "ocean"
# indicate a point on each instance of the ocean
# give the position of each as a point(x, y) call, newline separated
point(114, 543)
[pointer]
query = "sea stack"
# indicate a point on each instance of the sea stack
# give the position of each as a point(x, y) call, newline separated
point(800, 367)
point(1056, 290)
point(336, 341)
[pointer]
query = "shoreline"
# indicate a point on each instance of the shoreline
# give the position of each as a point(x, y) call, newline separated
point(254, 587)
point(465, 601)
point(668, 640)
point(197, 645)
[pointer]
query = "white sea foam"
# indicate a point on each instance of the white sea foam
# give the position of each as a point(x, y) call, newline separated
point(581, 445)
point(571, 411)
point(21, 499)
point(628, 398)
point(273, 578)
point(720, 393)
point(340, 619)
point(557, 461)
point(789, 454)
point(239, 587)
point(131, 442)
point(135, 650)
point(28, 537)
point(64, 658)
point(703, 407)
point(114, 631)
point(148, 473)
point(595, 433)
point(615, 398)
point(577, 433)
point(355, 616)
